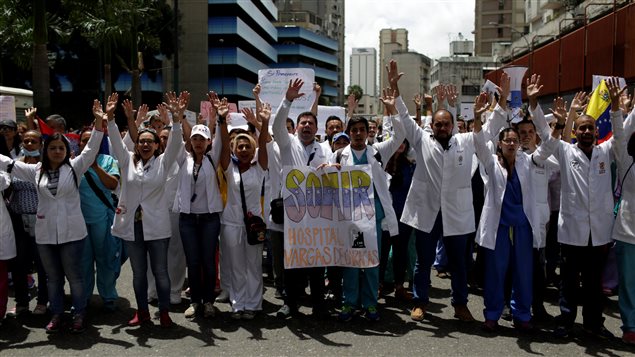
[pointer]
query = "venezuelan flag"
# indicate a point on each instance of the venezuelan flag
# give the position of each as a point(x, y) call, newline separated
point(599, 109)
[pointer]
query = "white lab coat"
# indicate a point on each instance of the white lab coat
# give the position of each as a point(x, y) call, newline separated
point(7, 238)
point(59, 218)
point(185, 162)
point(442, 179)
point(624, 228)
point(380, 178)
point(292, 151)
point(497, 184)
point(144, 185)
point(586, 200)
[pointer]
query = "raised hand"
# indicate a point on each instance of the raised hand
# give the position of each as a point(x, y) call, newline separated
point(417, 100)
point(440, 93)
point(142, 112)
point(265, 113)
point(579, 102)
point(388, 100)
point(626, 101)
point(223, 108)
point(533, 89)
point(128, 109)
point(352, 102)
point(293, 92)
point(317, 89)
point(393, 75)
point(250, 116)
point(30, 112)
point(504, 90)
point(163, 113)
point(615, 92)
point(451, 94)
point(98, 112)
point(111, 104)
point(172, 102)
point(256, 91)
point(559, 110)
point(480, 105)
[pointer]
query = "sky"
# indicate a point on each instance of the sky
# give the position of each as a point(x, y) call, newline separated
point(430, 24)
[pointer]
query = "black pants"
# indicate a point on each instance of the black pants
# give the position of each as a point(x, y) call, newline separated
point(22, 264)
point(295, 280)
point(582, 265)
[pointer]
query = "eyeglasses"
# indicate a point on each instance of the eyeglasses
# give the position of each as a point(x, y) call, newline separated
point(510, 141)
point(146, 142)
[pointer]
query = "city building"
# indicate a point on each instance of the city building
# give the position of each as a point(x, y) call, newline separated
point(417, 66)
point(497, 23)
point(363, 73)
point(223, 44)
point(390, 40)
point(325, 19)
point(462, 69)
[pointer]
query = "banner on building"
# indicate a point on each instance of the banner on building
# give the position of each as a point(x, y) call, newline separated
point(329, 217)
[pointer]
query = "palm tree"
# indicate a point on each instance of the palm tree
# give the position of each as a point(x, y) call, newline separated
point(40, 68)
point(356, 90)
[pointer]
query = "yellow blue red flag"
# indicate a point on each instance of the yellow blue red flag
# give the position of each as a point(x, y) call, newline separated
point(599, 109)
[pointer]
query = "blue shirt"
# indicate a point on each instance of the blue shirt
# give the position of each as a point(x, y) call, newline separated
point(93, 209)
point(512, 213)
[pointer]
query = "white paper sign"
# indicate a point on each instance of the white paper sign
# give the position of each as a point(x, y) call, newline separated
point(489, 87)
point(326, 111)
point(251, 104)
point(7, 107)
point(329, 217)
point(597, 79)
point(275, 82)
point(467, 111)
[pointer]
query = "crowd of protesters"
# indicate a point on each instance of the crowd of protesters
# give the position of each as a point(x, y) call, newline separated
point(509, 208)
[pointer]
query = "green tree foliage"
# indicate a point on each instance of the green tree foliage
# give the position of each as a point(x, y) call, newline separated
point(355, 90)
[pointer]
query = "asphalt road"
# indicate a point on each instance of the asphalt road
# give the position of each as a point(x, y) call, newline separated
point(439, 334)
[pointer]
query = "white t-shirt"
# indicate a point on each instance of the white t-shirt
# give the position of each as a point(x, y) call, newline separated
point(252, 182)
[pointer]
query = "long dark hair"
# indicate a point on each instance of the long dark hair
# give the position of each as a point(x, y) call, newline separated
point(395, 165)
point(46, 163)
point(499, 151)
point(136, 157)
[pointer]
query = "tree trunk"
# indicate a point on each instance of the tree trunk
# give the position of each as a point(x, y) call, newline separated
point(40, 66)
point(136, 87)
point(107, 82)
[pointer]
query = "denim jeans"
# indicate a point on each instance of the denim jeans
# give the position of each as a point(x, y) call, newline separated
point(426, 245)
point(63, 260)
point(199, 234)
point(158, 251)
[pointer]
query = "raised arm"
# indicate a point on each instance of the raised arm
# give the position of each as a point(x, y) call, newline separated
point(318, 92)
point(389, 147)
point(617, 117)
point(30, 114)
point(264, 138)
point(223, 111)
point(280, 134)
point(418, 103)
point(578, 104)
point(82, 162)
point(352, 105)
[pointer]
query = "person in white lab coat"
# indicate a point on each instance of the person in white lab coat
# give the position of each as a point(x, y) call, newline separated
point(7, 246)
point(586, 213)
point(60, 228)
point(142, 216)
point(439, 204)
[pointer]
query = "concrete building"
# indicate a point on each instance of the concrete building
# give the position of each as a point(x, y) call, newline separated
point(222, 46)
point(497, 21)
point(364, 74)
point(390, 40)
point(417, 67)
point(462, 69)
point(325, 18)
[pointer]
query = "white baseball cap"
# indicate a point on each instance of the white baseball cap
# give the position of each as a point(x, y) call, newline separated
point(201, 130)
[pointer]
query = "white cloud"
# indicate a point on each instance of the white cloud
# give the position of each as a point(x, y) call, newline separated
point(430, 24)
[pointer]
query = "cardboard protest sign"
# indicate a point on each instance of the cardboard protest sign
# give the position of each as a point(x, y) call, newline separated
point(326, 111)
point(329, 217)
point(467, 111)
point(7, 107)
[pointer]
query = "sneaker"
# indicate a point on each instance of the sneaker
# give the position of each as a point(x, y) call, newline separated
point(561, 332)
point(78, 324)
point(372, 314)
point(462, 313)
point(140, 316)
point(346, 314)
point(236, 315)
point(40, 309)
point(629, 338)
point(209, 310)
point(417, 313)
point(284, 312)
point(248, 315)
point(523, 326)
point(17, 311)
point(54, 325)
point(191, 310)
point(600, 332)
point(165, 319)
point(489, 326)
point(223, 297)
point(402, 294)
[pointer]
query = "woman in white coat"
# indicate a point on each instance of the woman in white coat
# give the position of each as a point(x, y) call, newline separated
point(245, 289)
point(7, 246)
point(509, 222)
point(142, 218)
point(60, 228)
